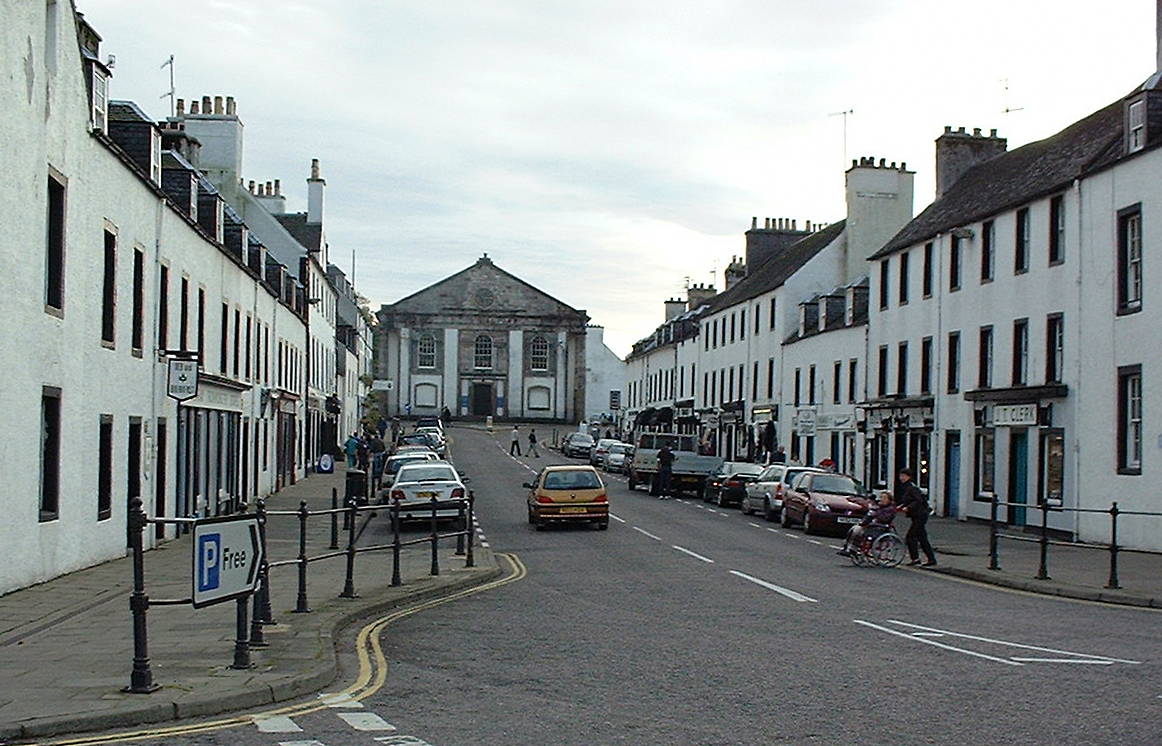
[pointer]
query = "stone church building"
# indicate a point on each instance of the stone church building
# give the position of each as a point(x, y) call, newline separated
point(483, 342)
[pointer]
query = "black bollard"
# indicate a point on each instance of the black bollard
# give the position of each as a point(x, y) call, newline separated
point(141, 677)
point(994, 559)
point(1113, 581)
point(1043, 570)
point(334, 518)
point(301, 606)
point(263, 611)
point(461, 522)
point(470, 561)
point(435, 538)
point(242, 642)
point(349, 582)
point(394, 513)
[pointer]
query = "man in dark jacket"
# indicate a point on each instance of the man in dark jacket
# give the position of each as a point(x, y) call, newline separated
point(665, 471)
point(912, 501)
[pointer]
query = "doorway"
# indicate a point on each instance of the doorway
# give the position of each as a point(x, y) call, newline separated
point(132, 474)
point(952, 473)
point(481, 399)
point(1018, 476)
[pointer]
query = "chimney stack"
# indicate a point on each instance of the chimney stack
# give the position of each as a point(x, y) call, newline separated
point(231, 107)
point(675, 307)
point(959, 151)
point(315, 188)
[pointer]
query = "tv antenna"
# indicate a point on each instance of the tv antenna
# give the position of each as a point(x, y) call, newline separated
point(845, 113)
point(1005, 99)
point(171, 93)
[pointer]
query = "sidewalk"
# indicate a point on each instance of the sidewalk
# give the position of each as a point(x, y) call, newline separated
point(962, 548)
point(66, 646)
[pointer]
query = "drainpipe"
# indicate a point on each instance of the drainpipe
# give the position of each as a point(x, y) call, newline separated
point(1078, 322)
point(153, 407)
point(938, 346)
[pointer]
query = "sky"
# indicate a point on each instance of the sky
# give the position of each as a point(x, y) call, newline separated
point(609, 151)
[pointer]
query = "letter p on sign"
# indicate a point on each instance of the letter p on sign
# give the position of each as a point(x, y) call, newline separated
point(209, 561)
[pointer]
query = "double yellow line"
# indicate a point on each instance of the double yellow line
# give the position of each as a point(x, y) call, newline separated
point(372, 672)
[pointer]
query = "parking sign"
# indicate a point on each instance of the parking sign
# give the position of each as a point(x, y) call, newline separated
point(227, 555)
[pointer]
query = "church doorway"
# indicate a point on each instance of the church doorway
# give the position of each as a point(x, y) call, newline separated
point(481, 399)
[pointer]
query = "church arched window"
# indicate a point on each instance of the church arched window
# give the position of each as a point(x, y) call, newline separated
point(539, 354)
point(426, 351)
point(483, 351)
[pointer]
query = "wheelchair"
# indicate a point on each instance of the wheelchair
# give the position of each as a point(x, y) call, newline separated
point(878, 546)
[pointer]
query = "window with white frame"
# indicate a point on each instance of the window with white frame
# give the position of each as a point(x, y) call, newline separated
point(482, 357)
point(1137, 128)
point(1130, 259)
point(539, 354)
point(1054, 348)
point(1020, 352)
point(100, 99)
point(426, 351)
point(1130, 419)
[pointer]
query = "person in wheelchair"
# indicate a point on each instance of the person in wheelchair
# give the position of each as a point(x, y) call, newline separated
point(877, 521)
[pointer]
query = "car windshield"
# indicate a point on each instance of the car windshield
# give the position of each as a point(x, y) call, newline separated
point(605, 442)
point(581, 438)
point(433, 473)
point(619, 448)
point(394, 464)
point(733, 467)
point(836, 484)
point(572, 480)
point(790, 475)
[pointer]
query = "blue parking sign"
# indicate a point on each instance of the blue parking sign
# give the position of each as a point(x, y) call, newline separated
point(209, 567)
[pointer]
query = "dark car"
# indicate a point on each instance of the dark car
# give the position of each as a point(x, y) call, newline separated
point(825, 502)
point(577, 444)
point(728, 486)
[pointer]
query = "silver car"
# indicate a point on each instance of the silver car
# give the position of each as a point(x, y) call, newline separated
point(766, 494)
point(417, 484)
point(619, 455)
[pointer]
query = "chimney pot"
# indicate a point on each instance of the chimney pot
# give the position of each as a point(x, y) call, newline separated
point(754, 223)
point(854, 163)
point(883, 162)
point(231, 106)
point(960, 130)
point(206, 108)
point(993, 132)
point(181, 106)
point(218, 105)
point(793, 222)
point(893, 164)
point(314, 168)
point(277, 187)
point(251, 186)
point(193, 107)
point(903, 166)
point(976, 131)
point(948, 129)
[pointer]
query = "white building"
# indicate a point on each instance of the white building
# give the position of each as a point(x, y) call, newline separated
point(604, 377)
point(353, 351)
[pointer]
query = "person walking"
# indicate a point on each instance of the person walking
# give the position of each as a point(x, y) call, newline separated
point(913, 502)
point(665, 471)
point(533, 443)
point(350, 446)
point(514, 446)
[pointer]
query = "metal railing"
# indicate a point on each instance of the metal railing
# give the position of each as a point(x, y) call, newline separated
point(1044, 542)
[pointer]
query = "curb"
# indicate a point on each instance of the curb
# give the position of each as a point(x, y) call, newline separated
point(239, 698)
point(1112, 597)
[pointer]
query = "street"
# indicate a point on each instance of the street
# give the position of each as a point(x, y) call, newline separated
point(686, 624)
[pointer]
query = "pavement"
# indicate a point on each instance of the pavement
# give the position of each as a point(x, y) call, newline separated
point(66, 646)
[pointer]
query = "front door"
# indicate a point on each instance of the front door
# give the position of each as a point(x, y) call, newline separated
point(952, 474)
point(481, 399)
point(1018, 475)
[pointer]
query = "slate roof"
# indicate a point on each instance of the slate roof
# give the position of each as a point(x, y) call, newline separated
point(127, 111)
point(776, 270)
point(310, 235)
point(1017, 177)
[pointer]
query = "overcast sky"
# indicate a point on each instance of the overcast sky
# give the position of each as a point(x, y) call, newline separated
point(607, 150)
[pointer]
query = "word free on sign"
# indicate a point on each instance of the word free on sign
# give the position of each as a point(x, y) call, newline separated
point(227, 556)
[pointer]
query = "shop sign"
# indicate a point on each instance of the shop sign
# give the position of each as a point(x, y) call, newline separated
point(1015, 415)
point(805, 422)
point(182, 383)
point(217, 397)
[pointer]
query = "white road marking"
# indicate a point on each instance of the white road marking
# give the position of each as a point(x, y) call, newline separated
point(793, 595)
point(680, 500)
point(619, 520)
point(913, 638)
point(773, 530)
point(788, 533)
point(401, 741)
point(1064, 660)
point(1011, 644)
point(647, 533)
point(339, 699)
point(695, 555)
point(835, 546)
point(817, 543)
point(301, 743)
point(365, 721)
point(277, 724)
point(749, 523)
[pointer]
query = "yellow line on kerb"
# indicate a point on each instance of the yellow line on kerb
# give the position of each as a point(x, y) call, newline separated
point(372, 676)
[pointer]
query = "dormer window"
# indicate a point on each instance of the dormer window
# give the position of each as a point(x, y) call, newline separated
point(822, 313)
point(100, 99)
point(849, 312)
point(219, 220)
point(1136, 128)
point(155, 156)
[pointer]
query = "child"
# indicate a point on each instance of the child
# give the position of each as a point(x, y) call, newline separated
point(878, 520)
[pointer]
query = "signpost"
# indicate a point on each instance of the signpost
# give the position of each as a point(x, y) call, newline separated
point(183, 379)
point(227, 556)
point(805, 422)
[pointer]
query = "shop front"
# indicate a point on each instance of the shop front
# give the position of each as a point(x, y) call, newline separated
point(898, 436)
point(209, 444)
point(764, 421)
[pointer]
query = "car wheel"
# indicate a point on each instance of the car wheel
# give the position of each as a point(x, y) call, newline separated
point(807, 529)
point(785, 518)
point(603, 526)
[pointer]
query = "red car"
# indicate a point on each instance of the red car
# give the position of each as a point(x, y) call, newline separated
point(825, 502)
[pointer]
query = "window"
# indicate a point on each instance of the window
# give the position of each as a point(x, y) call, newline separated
point(184, 316)
point(706, 340)
point(754, 382)
point(1130, 259)
point(1130, 419)
point(50, 452)
point(201, 327)
point(100, 99)
point(772, 321)
point(798, 386)
point(1137, 128)
point(109, 290)
point(884, 269)
point(426, 351)
point(714, 334)
point(248, 348)
point(742, 324)
point(1021, 250)
point(54, 269)
point(707, 394)
point(988, 242)
point(904, 278)
point(953, 362)
point(137, 329)
point(1020, 352)
point(882, 373)
point(237, 340)
point(155, 156)
point(985, 359)
point(482, 352)
point(426, 394)
point(928, 269)
point(1052, 483)
point(1054, 348)
point(770, 378)
point(852, 366)
point(757, 320)
point(722, 385)
point(539, 397)
point(539, 354)
point(1057, 230)
point(730, 378)
point(902, 369)
point(836, 382)
point(984, 476)
point(105, 467)
point(811, 385)
point(954, 264)
point(224, 345)
point(732, 323)
point(926, 365)
point(163, 309)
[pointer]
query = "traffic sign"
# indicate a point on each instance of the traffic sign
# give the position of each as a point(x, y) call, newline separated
point(183, 379)
point(227, 555)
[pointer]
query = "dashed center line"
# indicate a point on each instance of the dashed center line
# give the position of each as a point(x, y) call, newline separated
point(646, 533)
point(619, 520)
point(814, 541)
point(793, 595)
point(695, 555)
point(751, 523)
point(788, 533)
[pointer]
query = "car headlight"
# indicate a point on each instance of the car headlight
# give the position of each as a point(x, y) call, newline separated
point(821, 506)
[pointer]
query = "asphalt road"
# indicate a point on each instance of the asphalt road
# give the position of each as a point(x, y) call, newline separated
point(687, 624)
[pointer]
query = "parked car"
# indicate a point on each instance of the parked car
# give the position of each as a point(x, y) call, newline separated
point(728, 486)
point(577, 445)
point(413, 439)
point(600, 451)
point(393, 463)
point(435, 438)
point(825, 502)
point(416, 484)
point(430, 421)
point(565, 494)
point(619, 455)
point(766, 493)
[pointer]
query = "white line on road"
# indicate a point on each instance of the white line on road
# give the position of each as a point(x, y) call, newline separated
point(835, 546)
point(913, 638)
point(301, 743)
point(365, 721)
point(695, 555)
point(1106, 662)
point(400, 741)
point(788, 533)
point(277, 724)
point(339, 699)
point(749, 523)
point(773, 530)
point(619, 520)
point(817, 543)
point(1010, 644)
point(793, 595)
point(647, 533)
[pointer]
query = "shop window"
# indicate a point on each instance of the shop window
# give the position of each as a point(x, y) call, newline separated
point(1052, 449)
point(984, 464)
